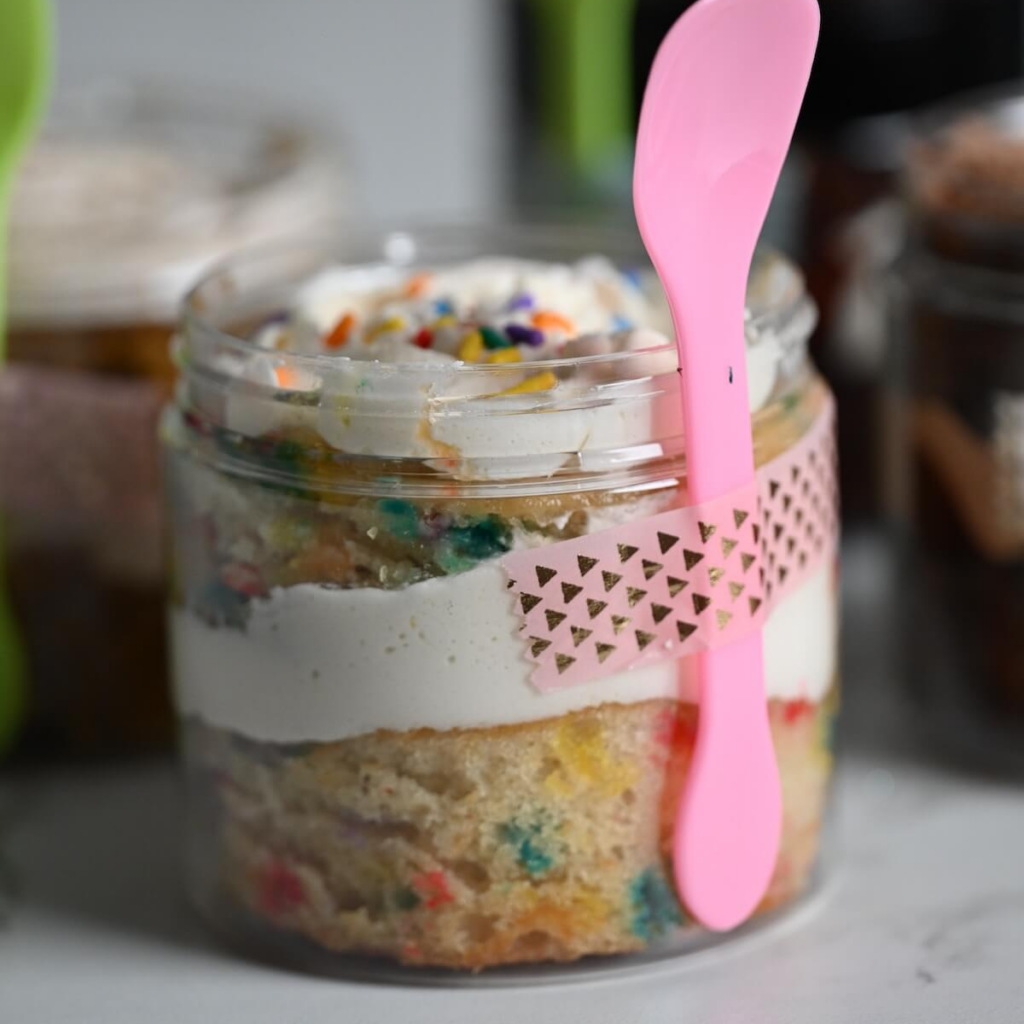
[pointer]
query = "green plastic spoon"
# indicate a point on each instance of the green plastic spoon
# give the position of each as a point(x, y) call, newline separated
point(24, 78)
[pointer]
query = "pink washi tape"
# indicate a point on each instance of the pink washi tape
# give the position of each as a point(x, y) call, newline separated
point(683, 581)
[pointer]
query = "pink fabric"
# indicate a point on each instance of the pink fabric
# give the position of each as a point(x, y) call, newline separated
point(687, 580)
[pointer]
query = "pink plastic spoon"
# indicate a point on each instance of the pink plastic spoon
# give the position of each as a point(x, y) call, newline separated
point(718, 117)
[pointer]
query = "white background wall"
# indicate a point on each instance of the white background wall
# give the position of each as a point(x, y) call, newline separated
point(416, 87)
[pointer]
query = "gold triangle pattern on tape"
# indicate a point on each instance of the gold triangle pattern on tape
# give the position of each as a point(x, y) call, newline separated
point(545, 575)
point(785, 526)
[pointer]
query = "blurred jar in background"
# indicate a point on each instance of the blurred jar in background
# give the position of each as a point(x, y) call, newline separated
point(963, 360)
point(129, 194)
point(878, 60)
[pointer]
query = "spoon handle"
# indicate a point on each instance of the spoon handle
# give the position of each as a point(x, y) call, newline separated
point(729, 821)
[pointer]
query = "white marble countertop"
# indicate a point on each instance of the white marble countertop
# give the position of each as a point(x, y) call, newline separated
point(920, 920)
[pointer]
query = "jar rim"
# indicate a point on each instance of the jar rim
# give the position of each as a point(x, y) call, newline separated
point(788, 315)
point(619, 416)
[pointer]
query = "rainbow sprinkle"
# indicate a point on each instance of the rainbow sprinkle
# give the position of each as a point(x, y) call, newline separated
point(407, 899)
point(505, 355)
point(795, 710)
point(525, 335)
point(432, 887)
point(286, 376)
point(654, 908)
point(538, 382)
point(546, 320)
point(280, 889)
point(386, 326)
point(341, 331)
point(492, 339)
point(417, 285)
point(471, 348)
point(528, 841)
point(521, 301)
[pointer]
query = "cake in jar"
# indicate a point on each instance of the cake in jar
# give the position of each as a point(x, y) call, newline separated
point(407, 734)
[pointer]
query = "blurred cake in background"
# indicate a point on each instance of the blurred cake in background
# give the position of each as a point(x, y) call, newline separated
point(131, 191)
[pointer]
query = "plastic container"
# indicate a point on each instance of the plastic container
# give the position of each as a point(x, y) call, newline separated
point(962, 363)
point(362, 610)
point(130, 192)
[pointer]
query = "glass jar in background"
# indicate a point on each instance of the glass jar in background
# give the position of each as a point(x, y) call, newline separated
point(371, 766)
point(961, 357)
point(854, 142)
point(129, 193)
point(853, 235)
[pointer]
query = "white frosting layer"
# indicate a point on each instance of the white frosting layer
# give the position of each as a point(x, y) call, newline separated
point(318, 664)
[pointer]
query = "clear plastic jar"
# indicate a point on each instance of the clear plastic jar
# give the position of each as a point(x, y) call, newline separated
point(370, 768)
point(961, 350)
point(129, 193)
